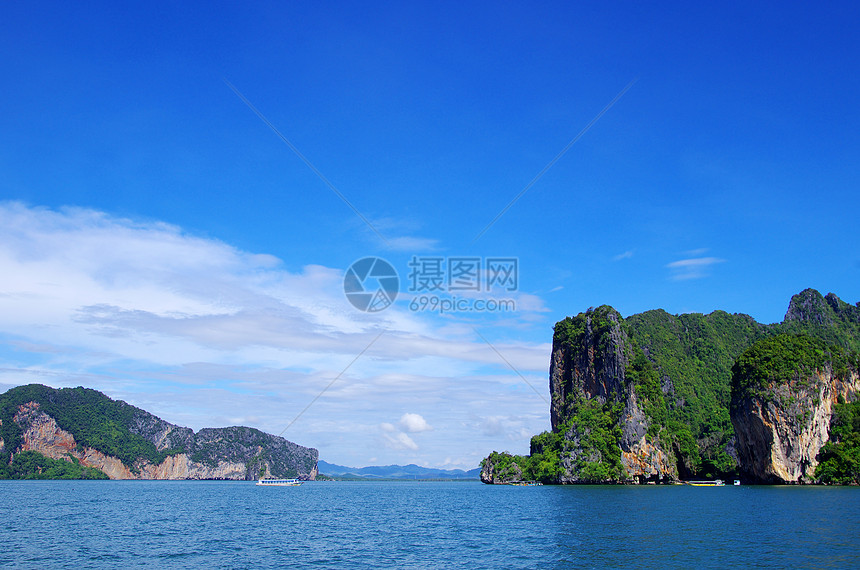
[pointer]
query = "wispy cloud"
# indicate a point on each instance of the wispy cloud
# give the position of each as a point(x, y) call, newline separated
point(403, 235)
point(693, 268)
point(412, 244)
point(626, 255)
point(205, 334)
point(400, 441)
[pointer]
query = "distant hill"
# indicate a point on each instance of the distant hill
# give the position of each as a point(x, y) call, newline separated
point(79, 433)
point(395, 472)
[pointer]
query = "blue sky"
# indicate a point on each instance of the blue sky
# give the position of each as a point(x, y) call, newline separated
point(162, 244)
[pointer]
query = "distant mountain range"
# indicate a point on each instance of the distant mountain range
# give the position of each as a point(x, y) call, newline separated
point(395, 472)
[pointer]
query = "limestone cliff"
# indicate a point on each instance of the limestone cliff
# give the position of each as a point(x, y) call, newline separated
point(589, 363)
point(43, 435)
point(652, 397)
point(126, 442)
point(783, 397)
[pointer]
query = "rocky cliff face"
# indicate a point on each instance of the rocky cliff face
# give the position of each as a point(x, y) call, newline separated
point(591, 364)
point(652, 397)
point(162, 434)
point(781, 430)
point(237, 453)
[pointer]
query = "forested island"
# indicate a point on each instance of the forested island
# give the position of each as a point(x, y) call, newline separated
point(660, 398)
point(79, 433)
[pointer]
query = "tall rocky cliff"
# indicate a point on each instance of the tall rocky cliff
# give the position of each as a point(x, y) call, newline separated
point(657, 397)
point(124, 442)
point(590, 359)
point(784, 392)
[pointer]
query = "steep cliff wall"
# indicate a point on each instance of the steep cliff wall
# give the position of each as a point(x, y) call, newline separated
point(784, 390)
point(780, 437)
point(653, 398)
point(591, 356)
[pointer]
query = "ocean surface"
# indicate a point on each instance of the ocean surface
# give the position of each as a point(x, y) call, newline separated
point(190, 524)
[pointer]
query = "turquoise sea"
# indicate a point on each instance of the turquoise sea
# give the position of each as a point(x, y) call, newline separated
point(190, 524)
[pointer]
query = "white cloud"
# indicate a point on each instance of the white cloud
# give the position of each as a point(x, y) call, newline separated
point(414, 423)
point(694, 268)
point(400, 441)
point(626, 255)
point(204, 334)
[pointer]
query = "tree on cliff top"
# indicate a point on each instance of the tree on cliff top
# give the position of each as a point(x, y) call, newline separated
point(782, 358)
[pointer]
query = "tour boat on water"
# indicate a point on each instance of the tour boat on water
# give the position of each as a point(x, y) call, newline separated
point(279, 483)
point(715, 483)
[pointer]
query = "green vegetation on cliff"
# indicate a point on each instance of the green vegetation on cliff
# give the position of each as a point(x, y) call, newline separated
point(593, 451)
point(782, 390)
point(827, 318)
point(571, 330)
point(130, 434)
point(589, 440)
point(95, 420)
point(32, 465)
point(784, 357)
point(680, 368)
point(680, 373)
point(693, 355)
point(839, 460)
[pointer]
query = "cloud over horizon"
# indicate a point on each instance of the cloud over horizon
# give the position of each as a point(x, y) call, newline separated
point(202, 332)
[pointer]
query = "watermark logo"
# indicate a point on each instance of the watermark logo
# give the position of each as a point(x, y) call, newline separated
point(451, 274)
point(436, 283)
point(371, 284)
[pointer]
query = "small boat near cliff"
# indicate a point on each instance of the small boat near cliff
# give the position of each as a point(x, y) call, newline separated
point(278, 483)
point(714, 483)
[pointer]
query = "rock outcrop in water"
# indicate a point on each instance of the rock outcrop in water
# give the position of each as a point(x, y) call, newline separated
point(124, 442)
point(658, 397)
point(499, 469)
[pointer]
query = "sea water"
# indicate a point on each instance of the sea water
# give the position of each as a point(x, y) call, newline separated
point(191, 524)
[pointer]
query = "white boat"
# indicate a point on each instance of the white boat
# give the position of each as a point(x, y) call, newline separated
point(279, 483)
